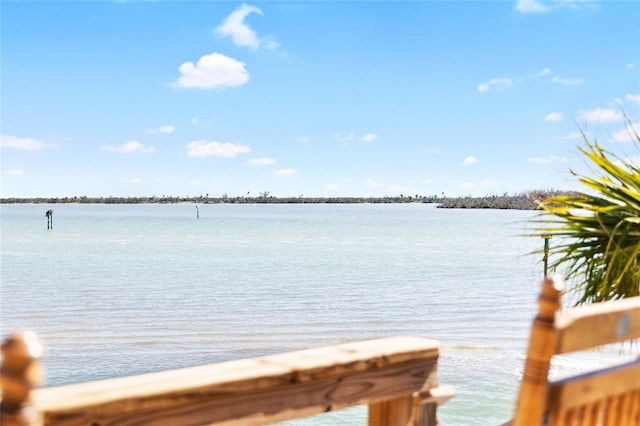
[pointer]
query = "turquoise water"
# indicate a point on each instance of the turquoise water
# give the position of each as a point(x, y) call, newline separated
point(115, 290)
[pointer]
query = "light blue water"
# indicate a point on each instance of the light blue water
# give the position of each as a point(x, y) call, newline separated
point(116, 290)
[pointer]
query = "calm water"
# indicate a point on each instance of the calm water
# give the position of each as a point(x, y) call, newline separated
point(115, 290)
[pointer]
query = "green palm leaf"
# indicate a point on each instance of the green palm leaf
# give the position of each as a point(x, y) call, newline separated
point(598, 231)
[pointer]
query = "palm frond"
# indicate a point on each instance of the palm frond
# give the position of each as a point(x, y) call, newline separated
point(598, 231)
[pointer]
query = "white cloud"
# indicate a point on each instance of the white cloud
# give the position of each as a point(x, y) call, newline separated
point(547, 160)
point(240, 32)
point(627, 134)
point(134, 181)
point(572, 135)
point(285, 172)
point(260, 161)
point(194, 120)
point(544, 72)
point(212, 71)
point(427, 181)
point(469, 160)
point(489, 182)
point(202, 149)
point(14, 172)
point(632, 161)
point(373, 184)
point(554, 116)
point(370, 137)
point(497, 83)
point(333, 187)
point(304, 139)
point(129, 147)
point(162, 129)
point(601, 115)
point(567, 81)
point(631, 66)
point(467, 185)
point(530, 6)
point(27, 144)
point(345, 138)
point(395, 189)
point(539, 6)
point(633, 98)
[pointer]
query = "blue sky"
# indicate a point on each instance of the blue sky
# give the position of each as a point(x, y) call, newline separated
point(341, 98)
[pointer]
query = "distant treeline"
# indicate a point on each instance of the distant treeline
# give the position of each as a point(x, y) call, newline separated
point(529, 200)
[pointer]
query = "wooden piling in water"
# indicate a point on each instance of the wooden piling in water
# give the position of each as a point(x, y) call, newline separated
point(49, 215)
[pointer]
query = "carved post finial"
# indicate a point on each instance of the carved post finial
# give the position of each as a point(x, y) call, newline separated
point(20, 373)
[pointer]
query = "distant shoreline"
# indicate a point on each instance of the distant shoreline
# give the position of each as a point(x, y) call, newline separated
point(523, 201)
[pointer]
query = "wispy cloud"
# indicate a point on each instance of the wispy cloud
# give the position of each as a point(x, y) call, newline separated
point(260, 161)
point(484, 182)
point(554, 117)
point(633, 98)
point(469, 160)
point(241, 34)
point(371, 183)
point(128, 148)
point(544, 72)
point(427, 181)
point(26, 144)
point(332, 187)
point(202, 148)
point(468, 185)
point(567, 81)
point(631, 161)
point(286, 172)
point(600, 115)
point(132, 181)
point(162, 129)
point(547, 160)
point(370, 137)
point(627, 134)
point(531, 6)
point(570, 136)
point(345, 138)
point(539, 6)
point(13, 172)
point(496, 83)
point(304, 139)
point(214, 71)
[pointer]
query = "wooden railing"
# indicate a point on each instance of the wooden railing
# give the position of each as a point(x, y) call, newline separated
point(396, 377)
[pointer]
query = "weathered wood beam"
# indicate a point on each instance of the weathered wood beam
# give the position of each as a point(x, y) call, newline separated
point(254, 391)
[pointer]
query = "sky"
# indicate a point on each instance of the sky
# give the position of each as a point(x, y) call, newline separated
point(312, 98)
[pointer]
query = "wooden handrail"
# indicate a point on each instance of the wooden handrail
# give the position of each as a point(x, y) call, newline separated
point(396, 377)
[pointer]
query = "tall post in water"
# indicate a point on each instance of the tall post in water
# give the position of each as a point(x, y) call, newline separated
point(545, 257)
point(49, 215)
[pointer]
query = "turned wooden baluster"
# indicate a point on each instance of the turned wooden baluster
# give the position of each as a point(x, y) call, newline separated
point(531, 404)
point(19, 374)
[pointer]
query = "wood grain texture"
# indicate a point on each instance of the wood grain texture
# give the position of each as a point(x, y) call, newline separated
point(250, 392)
point(591, 387)
point(606, 396)
point(598, 324)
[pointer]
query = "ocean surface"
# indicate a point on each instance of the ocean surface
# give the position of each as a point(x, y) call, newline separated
point(116, 290)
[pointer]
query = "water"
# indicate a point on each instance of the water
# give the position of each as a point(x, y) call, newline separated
point(116, 290)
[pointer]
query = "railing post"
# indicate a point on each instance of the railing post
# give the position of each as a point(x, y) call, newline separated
point(19, 374)
point(391, 412)
point(531, 404)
